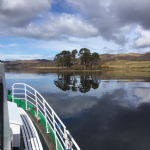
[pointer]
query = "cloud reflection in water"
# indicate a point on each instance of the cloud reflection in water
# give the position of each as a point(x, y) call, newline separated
point(104, 123)
point(112, 116)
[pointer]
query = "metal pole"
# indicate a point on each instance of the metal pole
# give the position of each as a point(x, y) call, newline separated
point(45, 116)
point(25, 96)
point(64, 130)
point(54, 129)
point(13, 93)
point(65, 133)
point(36, 104)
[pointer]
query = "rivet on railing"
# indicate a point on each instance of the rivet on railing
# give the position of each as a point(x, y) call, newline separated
point(28, 109)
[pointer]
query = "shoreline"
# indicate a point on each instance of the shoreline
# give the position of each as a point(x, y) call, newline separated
point(95, 70)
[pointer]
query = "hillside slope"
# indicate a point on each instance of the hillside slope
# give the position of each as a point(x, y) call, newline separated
point(27, 64)
point(128, 56)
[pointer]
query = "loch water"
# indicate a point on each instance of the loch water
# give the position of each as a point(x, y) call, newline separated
point(102, 111)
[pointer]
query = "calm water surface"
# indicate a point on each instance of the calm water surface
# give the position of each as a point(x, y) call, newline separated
point(101, 113)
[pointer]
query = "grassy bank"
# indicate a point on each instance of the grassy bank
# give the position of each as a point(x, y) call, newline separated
point(113, 65)
point(125, 65)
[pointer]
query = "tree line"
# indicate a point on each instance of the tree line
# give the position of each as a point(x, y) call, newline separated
point(68, 59)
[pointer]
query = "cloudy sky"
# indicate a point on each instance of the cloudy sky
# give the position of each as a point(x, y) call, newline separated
point(37, 29)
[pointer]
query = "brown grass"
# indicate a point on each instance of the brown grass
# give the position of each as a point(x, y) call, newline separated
point(125, 64)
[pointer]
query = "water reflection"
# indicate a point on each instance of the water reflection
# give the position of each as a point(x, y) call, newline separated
point(66, 81)
point(111, 122)
point(143, 94)
point(100, 112)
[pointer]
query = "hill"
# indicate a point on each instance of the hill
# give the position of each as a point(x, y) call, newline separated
point(128, 56)
point(27, 64)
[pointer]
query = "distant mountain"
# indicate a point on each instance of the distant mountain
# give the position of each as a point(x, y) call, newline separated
point(128, 56)
point(27, 64)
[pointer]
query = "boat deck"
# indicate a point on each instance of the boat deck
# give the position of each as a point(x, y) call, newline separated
point(30, 135)
point(46, 141)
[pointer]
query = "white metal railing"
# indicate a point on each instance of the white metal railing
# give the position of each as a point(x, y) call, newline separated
point(49, 114)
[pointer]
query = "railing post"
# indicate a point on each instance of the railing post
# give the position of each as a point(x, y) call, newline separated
point(65, 133)
point(64, 130)
point(13, 93)
point(45, 116)
point(25, 95)
point(68, 144)
point(36, 104)
point(54, 129)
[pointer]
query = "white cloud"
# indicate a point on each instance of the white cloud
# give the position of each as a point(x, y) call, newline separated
point(24, 57)
point(144, 39)
point(21, 12)
point(8, 46)
point(103, 18)
point(26, 20)
point(24, 4)
point(126, 29)
point(57, 27)
point(110, 19)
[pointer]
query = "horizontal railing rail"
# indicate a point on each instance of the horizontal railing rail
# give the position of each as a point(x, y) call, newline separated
point(62, 135)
